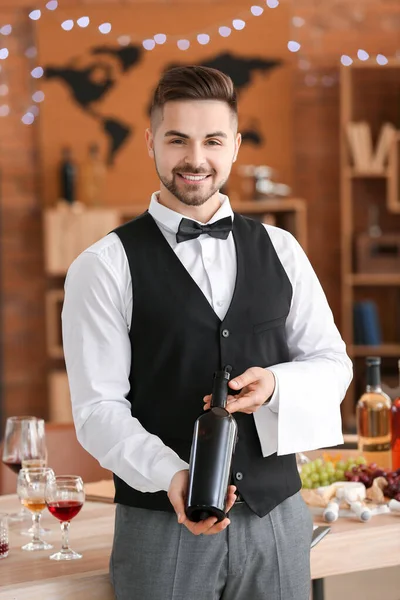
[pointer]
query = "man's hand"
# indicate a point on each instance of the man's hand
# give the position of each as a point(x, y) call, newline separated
point(177, 495)
point(256, 385)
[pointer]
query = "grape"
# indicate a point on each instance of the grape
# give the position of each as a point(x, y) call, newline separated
point(318, 462)
point(314, 477)
point(341, 465)
point(360, 460)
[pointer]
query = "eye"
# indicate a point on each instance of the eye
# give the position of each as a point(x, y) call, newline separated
point(213, 143)
point(178, 142)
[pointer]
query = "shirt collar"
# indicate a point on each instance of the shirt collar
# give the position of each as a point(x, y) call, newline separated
point(169, 219)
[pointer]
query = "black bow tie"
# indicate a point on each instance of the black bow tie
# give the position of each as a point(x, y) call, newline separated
point(189, 230)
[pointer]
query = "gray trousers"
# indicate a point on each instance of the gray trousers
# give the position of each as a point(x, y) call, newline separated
point(155, 558)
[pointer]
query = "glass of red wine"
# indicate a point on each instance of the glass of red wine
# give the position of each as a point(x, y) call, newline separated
point(64, 497)
point(24, 440)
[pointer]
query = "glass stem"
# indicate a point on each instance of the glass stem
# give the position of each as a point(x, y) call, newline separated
point(36, 526)
point(65, 530)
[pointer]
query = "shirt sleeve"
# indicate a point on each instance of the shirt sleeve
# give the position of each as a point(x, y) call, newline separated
point(309, 389)
point(97, 353)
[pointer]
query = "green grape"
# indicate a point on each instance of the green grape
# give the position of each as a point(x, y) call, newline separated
point(314, 477)
point(315, 486)
point(307, 483)
point(360, 460)
point(330, 467)
point(339, 475)
point(318, 462)
point(324, 481)
point(305, 469)
point(312, 467)
point(341, 465)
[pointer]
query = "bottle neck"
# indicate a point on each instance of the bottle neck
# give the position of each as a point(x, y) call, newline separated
point(374, 378)
point(220, 390)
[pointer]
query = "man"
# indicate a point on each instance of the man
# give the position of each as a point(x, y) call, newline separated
point(150, 312)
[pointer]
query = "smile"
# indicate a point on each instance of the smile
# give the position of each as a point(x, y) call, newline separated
point(193, 178)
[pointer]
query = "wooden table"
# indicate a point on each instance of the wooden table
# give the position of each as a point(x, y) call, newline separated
point(350, 546)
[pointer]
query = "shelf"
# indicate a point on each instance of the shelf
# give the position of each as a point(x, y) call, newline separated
point(367, 279)
point(382, 350)
point(354, 174)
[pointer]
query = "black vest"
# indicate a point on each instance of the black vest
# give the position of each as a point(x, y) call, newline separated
point(178, 342)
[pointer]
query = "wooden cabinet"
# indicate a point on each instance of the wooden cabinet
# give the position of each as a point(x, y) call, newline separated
point(70, 230)
point(370, 201)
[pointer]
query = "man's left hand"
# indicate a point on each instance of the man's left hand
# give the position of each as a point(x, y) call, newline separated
point(256, 384)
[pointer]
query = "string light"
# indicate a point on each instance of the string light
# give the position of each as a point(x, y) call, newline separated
point(105, 28)
point(6, 30)
point(38, 96)
point(35, 15)
point(67, 25)
point(224, 31)
point(183, 44)
point(203, 38)
point(28, 118)
point(293, 46)
point(160, 38)
point(83, 22)
point(362, 55)
point(31, 52)
point(148, 44)
point(381, 59)
point(346, 60)
point(256, 11)
point(238, 24)
point(37, 72)
point(124, 40)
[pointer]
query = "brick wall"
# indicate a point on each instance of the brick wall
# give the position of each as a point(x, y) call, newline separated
point(374, 26)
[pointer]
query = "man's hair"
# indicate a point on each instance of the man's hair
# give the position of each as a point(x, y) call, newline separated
point(193, 83)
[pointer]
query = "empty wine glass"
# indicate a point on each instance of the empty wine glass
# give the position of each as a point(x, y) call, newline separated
point(31, 489)
point(24, 440)
point(65, 496)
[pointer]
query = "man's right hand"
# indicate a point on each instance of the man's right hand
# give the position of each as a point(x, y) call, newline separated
point(177, 495)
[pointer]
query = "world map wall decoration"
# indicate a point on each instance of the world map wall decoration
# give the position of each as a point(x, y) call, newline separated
point(97, 91)
point(87, 92)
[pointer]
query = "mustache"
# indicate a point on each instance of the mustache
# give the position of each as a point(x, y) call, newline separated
point(192, 171)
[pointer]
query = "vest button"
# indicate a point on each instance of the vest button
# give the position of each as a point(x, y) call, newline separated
point(239, 476)
point(225, 333)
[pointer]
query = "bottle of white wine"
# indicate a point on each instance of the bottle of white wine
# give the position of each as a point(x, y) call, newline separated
point(374, 418)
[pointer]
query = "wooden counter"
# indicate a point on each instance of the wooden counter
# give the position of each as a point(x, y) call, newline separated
point(350, 546)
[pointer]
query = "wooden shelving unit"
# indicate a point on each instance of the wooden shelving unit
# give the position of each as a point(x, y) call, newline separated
point(369, 93)
point(69, 231)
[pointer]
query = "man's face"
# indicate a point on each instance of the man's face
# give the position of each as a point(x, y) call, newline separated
point(194, 143)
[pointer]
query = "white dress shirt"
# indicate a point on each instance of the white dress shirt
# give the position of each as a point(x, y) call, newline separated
point(304, 412)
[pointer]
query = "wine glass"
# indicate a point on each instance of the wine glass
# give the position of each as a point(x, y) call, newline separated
point(31, 488)
point(65, 496)
point(24, 440)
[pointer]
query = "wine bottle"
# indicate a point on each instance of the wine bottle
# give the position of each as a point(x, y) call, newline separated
point(67, 177)
point(396, 429)
point(214, 439)
point(374, 418)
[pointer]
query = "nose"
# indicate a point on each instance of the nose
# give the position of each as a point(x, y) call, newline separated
point(195, 156)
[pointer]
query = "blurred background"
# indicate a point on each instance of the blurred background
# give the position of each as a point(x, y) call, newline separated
point(319, 104)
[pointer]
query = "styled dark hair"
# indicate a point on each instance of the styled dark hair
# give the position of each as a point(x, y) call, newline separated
point(194, 83)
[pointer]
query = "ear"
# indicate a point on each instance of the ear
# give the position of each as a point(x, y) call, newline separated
point(238, 143)
point(149, 142)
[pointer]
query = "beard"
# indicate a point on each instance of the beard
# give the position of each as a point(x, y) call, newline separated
point(195, 195)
